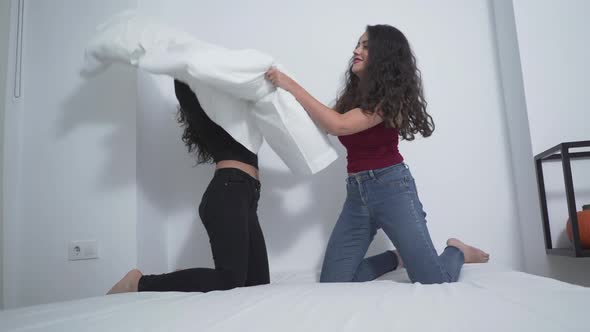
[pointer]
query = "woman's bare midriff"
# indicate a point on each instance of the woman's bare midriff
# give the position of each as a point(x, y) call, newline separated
point(249, 169)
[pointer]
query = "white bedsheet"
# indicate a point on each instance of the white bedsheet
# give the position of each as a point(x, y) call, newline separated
point(485, 299)
point(229, 84)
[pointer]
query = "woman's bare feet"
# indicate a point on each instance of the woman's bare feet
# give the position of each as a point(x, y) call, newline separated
point(400, 261)
point(472, 254)
point(128, 283)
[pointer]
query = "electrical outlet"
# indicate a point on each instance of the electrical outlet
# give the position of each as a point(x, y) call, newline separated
point(78, 250)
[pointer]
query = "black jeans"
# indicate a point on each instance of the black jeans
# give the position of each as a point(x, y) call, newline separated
point(228, 211)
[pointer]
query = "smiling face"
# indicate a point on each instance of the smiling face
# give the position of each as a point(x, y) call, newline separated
point(361, 55)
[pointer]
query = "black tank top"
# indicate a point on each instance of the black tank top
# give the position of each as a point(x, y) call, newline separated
point(219, 143)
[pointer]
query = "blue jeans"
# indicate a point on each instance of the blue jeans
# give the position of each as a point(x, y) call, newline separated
point(385, 198)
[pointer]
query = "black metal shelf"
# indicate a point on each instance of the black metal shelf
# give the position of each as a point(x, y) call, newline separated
point(561, 152)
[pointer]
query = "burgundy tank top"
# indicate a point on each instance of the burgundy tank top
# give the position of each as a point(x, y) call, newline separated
point(373, 148)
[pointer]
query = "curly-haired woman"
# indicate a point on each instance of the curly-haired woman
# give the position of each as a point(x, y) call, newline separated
point(381, 101)
point(228, 211)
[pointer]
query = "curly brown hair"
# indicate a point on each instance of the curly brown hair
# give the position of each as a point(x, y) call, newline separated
point(190, 114)
point(392, 85)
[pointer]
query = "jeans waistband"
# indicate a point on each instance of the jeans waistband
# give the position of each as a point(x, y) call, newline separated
point(373, 173)
point(237, 172)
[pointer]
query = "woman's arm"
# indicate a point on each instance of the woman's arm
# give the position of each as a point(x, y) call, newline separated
point(331, 121)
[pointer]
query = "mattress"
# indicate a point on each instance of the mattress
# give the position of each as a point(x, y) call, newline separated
point(486, 298)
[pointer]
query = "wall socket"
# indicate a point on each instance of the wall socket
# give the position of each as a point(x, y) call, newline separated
point(78, 250)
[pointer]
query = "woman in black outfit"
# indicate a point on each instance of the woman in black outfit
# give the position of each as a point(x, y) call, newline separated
point(227, 210)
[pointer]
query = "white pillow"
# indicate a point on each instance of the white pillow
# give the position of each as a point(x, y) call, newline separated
point(230, 85)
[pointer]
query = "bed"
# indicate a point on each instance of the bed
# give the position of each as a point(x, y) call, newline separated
point(486, 298)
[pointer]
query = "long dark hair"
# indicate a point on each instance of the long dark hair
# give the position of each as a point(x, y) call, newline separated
point(392, 84)
point(189, 114)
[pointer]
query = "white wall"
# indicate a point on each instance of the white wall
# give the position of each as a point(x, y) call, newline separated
point(554, 54)
point(463, 171)
point(511, 82)
point(4, 42)
point(70, 160)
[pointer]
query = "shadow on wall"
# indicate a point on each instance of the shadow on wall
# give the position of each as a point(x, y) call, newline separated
point(104, 102)
point(292, 206)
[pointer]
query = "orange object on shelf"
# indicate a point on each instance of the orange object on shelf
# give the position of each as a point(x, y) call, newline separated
point(583, 227)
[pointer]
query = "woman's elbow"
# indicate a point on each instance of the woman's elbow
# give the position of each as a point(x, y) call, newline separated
point(338, 131)
point(337, 127)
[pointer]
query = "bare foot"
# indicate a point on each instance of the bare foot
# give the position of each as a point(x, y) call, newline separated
point(400, 261)
point(472, 254)
point(128, 283)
